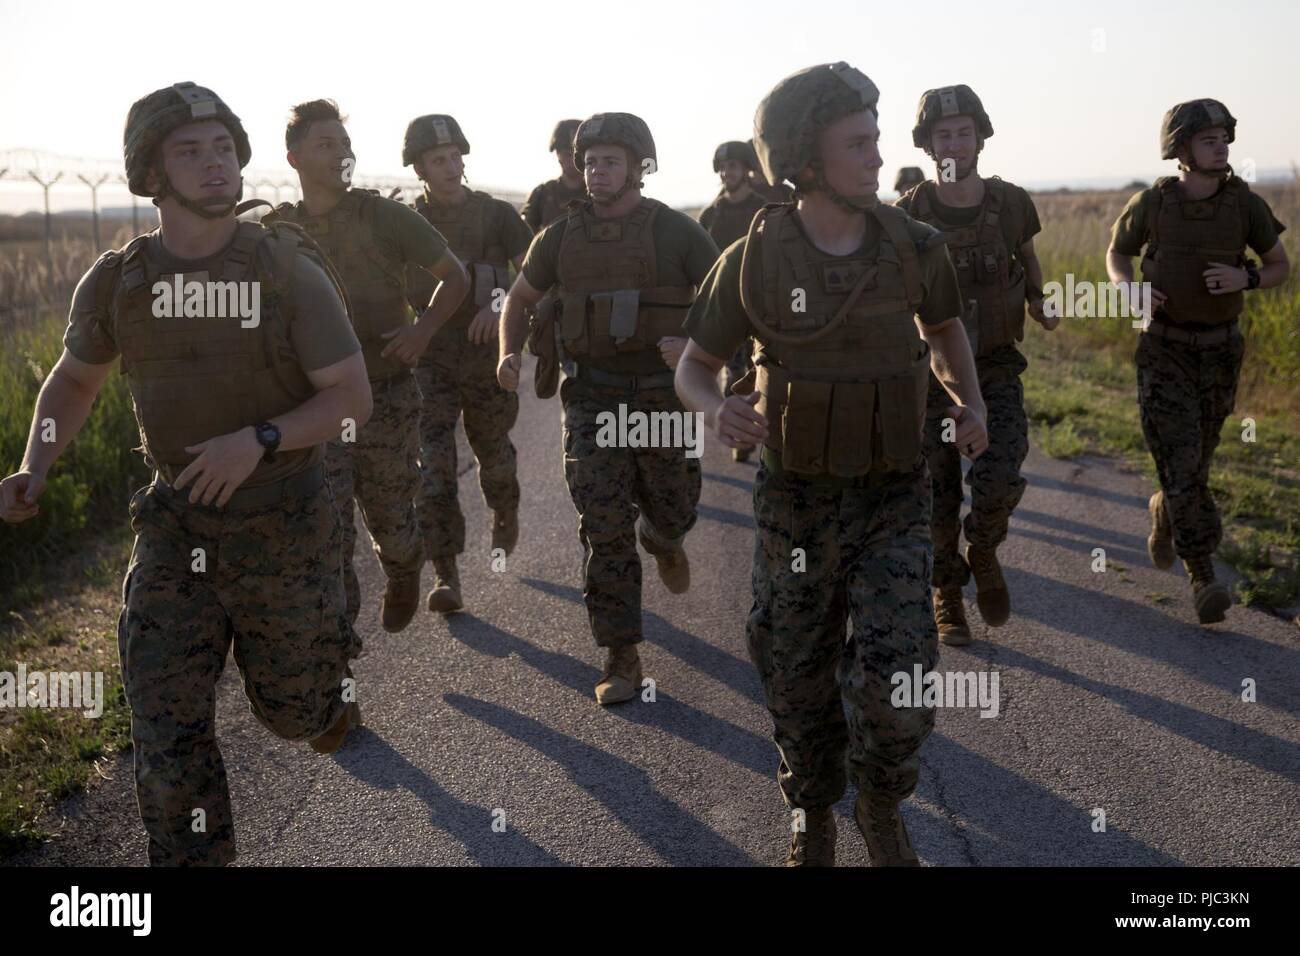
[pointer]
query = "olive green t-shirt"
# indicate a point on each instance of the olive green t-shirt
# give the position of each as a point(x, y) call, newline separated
point(1129, 234)
point(719, 324)
point(684, 253)
point(552, 194)
point(318, 333)
point(1018, 220)
point(727, 220)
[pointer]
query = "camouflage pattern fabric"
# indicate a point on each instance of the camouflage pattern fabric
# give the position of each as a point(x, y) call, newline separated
point(1185, 393)
point(868, 566)
point(458, 376)
point(380, 470)
point(610, 487)
point(994, 477)
point(273, 587)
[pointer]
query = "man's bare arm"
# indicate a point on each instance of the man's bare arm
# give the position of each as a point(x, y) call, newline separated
point(514, 329)
point(954, 367)
point(409, 342)
point(732, 417)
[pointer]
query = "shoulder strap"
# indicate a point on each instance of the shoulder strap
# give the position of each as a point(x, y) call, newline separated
point(895, 227)
point(1241, 196)
point(107, 276)
point(248, 235)
point(135, 266)
point(1152, 202)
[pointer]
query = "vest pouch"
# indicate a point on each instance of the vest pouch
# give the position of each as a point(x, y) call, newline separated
point(573, 323)
point(804, 426)
point(487, 279)
point(849, 448)
point(1187, 299)
point(622, 306)
point(902, 415)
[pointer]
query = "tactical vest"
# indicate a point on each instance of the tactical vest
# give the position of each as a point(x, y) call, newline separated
point(555, 201)
point(992, 281)
point(469, 235)
point(731, 219)
point(841, 369)
point(375, 283)
point(611, 301)
point(1183, 237)
point(196, 378)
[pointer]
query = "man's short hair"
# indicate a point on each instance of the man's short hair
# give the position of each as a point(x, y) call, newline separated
point(303, 115)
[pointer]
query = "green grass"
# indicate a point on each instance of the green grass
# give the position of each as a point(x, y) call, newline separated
point(48, 756)
point(1081, 396)
point(87, 491)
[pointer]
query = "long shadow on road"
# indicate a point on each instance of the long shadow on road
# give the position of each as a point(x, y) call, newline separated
point(625, 789)
point(1227, 737)
point(672, 716)
point(1014, 821)
point(1151, 634)
point(373, 760)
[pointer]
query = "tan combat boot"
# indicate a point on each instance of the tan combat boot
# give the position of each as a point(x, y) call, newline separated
point(332, 739)
point(1160, 543)
point(401, 598)
point(622, 677)
point(815, 844)
point(445, 596)
point(1211, 597)
point(674, 566)
point(505, 530)
point(991, 595)
point(881, 823)
point(950, 617)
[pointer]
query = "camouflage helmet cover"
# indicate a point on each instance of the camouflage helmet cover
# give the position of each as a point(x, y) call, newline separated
point(1185, 120)
point(152, 118)
point(742, 153)
point(617, 129)
point(908, 176)
point(563, 134)
point(789, 119)
point(430, 132)
point(946, 101)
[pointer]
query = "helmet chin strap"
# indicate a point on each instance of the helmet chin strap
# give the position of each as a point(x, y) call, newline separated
point(853, 204)
point(211, 211)
point(1190, 166)
point(622, 191)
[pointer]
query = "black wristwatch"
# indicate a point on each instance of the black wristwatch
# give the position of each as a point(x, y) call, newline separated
point(1252, 276)
point(268, 436)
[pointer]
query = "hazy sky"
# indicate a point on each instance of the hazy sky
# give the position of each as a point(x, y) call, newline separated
point(1075, 91)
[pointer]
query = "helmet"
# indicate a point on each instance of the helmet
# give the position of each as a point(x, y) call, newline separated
point(1185, 120)
point(153, 117)
point(789, 118)
point(563, 134)
point(618, 129)
point(742, 153)
point(908, 177)
point(430, 132)
point(948, 101)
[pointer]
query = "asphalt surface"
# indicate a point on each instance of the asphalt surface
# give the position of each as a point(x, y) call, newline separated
point(1112, 698)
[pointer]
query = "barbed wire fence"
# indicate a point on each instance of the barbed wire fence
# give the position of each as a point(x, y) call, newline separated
point(98, 188)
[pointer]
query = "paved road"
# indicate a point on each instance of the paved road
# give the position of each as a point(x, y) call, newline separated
point(1112, 697)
